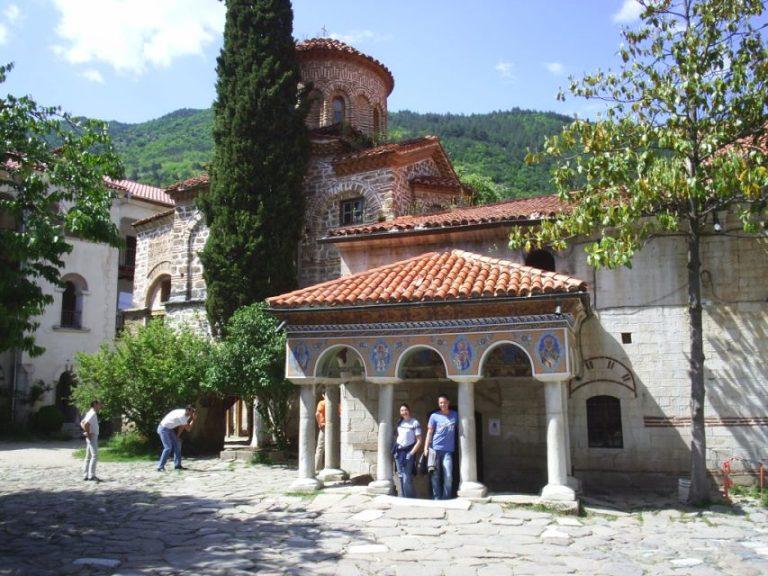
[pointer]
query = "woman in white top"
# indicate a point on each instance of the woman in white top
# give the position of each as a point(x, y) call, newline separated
point(407, 444)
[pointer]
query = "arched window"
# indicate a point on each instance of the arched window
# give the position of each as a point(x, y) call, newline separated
point(338, 107)
point(72, 302)
point(159, 293)
point(376, 123)
point(541, 259)
point(604, 422)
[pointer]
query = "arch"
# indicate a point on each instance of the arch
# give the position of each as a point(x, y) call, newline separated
point(604, 428)
point(75, 287)
point(336, 359)
point(484, 360)
point(339, 109)
point(410, 353)
point(315, 105)
point(159, 292)
point(541, 259)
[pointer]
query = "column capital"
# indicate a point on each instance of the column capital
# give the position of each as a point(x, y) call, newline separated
point(546, 378)
point(465, 379)
point(383, 380)
point(301, 381)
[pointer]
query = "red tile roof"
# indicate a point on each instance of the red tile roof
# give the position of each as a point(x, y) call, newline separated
point(189, 183)
point(435, 276)
point(392, 153)
point(436, 182)
point(140, 191)
point(501, 212)
point(329, 45)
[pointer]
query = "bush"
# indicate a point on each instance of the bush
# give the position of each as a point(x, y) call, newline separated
point(144, 374)
point(48, 420)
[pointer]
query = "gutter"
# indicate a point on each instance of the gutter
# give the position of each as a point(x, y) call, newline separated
point(581, 295)
point(423, 231)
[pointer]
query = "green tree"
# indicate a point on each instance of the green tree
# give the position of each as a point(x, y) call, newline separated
point(679, 143)
point(485, 190)
point(47, 192)
point(255, 206)
point(250, 362)
point(144, 374)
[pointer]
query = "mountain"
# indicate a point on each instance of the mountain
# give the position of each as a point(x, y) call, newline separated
point(179, 144)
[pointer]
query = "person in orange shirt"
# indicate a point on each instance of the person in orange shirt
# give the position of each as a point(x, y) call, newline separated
point(320, 449)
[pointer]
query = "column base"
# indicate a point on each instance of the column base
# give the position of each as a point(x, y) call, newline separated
point(558, 492)
point(332, 475)
point(306, 485)
point(381, 487)
point(472, 490)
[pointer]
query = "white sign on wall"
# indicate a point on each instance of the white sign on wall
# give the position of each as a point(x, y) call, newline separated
point(494, 427)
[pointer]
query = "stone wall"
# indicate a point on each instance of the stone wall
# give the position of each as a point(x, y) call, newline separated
point(154, 249)
point(362, 89)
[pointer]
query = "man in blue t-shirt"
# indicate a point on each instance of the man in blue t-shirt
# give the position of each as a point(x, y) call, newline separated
point(441, 437)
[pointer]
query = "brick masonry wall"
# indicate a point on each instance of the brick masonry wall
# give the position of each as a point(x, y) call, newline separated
point(153, 251)
point(361, 88)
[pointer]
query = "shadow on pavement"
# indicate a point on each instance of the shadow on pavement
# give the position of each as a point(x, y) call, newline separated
point(42, 533)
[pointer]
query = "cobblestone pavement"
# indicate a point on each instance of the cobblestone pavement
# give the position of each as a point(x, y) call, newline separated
point(236, 519)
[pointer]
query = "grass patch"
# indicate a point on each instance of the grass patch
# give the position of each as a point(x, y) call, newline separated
point(752, 492)
point(302, 495)
point(128, 447)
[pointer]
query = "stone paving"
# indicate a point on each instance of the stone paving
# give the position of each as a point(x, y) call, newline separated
point(228, 518)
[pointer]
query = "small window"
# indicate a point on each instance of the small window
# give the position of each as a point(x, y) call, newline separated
point(338, 110)
point(626, 337)
point(71, 306)
point(604, 422)
point(351, 212)
point(541, 259)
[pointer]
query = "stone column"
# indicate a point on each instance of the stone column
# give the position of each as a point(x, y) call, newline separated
point(574, 483)
point(383, 483)
point(332, 471)
point(469, 487)
point(306, 481)
point(557, 459)
point(259, 438)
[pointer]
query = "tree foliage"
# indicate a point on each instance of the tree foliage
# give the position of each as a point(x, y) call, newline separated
point(683, 138)
point(144, 374)
point(485, 190)
point(47, 193)
point(250, 362)
point(255, 207)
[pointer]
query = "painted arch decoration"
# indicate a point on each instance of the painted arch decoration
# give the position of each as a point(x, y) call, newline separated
point(547, 349)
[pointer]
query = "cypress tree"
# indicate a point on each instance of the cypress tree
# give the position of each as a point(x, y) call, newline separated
point(255, 206)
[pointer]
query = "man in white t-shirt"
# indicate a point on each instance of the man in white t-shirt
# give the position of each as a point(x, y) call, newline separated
point(90, 426)
point(169, 429)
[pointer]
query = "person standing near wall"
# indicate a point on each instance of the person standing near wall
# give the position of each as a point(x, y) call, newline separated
point(407, 443)
point(441, 437)
point(320, 449)
point(90, 426)
point(169, 430)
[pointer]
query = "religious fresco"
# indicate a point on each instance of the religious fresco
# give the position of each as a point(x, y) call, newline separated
point(536, 351)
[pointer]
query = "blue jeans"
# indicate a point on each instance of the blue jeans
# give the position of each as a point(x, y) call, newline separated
point(171, 443)
point(442, 477)
point(405, 466)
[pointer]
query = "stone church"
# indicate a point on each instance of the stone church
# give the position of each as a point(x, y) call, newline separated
point(564, 377)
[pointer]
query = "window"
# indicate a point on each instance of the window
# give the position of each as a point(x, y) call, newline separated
point(159, 293)
point(338, 110)
point(541, 259)
point(376, 123)
point(351, 212)
point(72, 306)
point(604, 422)
point(128, 254)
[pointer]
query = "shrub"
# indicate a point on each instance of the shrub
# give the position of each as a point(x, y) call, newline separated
point(48, 420)
point(144, 374)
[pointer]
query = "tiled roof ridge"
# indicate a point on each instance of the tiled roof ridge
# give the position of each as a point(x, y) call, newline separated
point(140, 191)
point(389, 147)
point(333, 45)
point(192, 181)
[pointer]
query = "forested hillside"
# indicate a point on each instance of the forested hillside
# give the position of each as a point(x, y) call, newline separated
point(494, 145)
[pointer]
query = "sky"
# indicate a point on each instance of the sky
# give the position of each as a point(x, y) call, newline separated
point(135, 60)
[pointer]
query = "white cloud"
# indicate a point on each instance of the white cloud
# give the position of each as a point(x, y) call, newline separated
point(359, 36)
point(133, 35)
point(93, 76)
point(505, 70)
point(10, 16)
point(629, 12)
point(555, 68)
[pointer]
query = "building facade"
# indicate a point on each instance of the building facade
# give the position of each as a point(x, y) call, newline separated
point(563, 376)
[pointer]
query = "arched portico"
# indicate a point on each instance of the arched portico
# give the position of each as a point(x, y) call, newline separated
point(468, 333)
